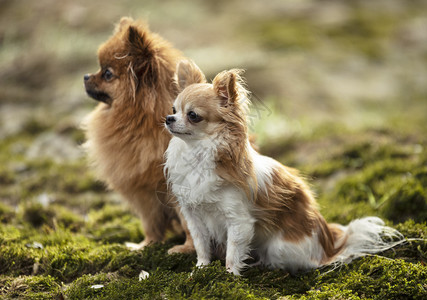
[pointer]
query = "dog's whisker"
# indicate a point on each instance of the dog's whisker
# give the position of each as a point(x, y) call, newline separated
point(161, 124)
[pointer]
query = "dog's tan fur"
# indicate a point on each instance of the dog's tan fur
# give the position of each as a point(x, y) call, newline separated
point(125, 137)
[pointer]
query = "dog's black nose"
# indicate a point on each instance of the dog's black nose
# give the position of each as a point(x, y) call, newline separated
point(86, 77)
point(170, 119)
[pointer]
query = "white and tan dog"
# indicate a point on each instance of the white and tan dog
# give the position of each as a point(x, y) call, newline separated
point(245, 202)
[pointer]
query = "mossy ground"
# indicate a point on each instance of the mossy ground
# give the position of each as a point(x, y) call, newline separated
point(71, 245)
point(62, 233)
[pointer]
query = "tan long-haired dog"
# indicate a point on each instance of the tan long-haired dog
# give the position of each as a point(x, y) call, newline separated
point(125, 137)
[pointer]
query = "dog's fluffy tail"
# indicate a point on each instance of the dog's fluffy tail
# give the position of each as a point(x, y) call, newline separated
point(364, 236)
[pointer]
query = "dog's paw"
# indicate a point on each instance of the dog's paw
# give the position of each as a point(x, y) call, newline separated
point(202, 262)
point(232, 268)
point(181, 249)
point(234, 271)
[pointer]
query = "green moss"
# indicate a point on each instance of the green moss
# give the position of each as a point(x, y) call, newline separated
point(68, 257)
point(68, 263)
point(80, 227)
point(282, 34)
point(30, 287)
point(381, 278)
point(107, 214)
point(408, 202)
point(78, 136)
point(364, 32)
point(37, 214)
point(9, 233)
point(82, 287)
point(16, 259)
point(280, 282)
point(114, 224)
point(155, 257)
point(46, 176)
point(325, 169)
point(52, 216)
point(6, 177)
point(415, 249)
point(327, 292)
point(411, 229)
point(362, 154)
point(67, 219)
point(6, 213)
point(389, 188)
point(381, 172)
point(34, 127)
point(372, 277)
point(209, 282)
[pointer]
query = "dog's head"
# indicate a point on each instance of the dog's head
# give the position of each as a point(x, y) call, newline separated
point(128, 63)
point(203, 110)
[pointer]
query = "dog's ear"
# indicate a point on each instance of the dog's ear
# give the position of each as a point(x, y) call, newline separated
point(226, 86)
point(143, 56)
point(187, 72)
point(123, 24)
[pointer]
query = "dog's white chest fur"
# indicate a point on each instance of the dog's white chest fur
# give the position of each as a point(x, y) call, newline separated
point(191, 171)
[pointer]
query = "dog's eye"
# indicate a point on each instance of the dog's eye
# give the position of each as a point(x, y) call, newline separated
point(173, 110)
point(193, 117)
point(107, 75)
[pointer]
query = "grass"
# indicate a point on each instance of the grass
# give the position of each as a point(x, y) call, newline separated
point(57, 249)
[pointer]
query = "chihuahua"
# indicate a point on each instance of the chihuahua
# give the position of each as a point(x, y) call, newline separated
point(246, 203)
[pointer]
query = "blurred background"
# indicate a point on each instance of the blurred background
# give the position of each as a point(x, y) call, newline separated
point(319, 68)
point(354, 63)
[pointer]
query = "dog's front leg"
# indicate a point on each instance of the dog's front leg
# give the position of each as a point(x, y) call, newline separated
point(239, 237)
point(200, 235)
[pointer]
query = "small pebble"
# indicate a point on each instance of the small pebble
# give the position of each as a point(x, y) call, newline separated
point(97, 286)
point(143, 275)
point(35, 245)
